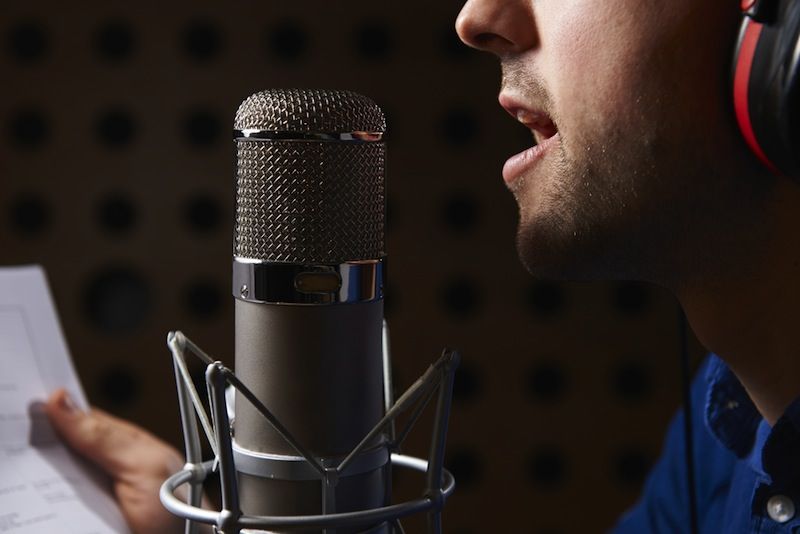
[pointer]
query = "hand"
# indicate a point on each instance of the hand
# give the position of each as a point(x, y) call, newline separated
point(137, 461)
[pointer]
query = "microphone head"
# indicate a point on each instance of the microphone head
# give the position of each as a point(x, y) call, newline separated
point(310, 181)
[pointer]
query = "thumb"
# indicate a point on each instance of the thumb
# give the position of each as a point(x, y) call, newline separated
point(113, 444)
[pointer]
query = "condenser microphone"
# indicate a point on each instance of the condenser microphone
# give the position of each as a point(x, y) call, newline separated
point(308, 274)
point(313, 438)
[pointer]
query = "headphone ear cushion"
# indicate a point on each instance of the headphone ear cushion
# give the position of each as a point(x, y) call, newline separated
point(766, 85)
point(749, 36)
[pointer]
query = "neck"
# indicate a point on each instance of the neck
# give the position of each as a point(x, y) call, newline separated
point(747, 311)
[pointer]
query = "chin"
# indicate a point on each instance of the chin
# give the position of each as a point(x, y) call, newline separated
point(546, 261)
point(552, 250)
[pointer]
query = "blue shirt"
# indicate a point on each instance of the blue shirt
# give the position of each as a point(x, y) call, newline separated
point(747, 473)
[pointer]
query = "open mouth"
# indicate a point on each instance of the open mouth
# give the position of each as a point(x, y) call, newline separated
point(537, 121)
point(543, 129)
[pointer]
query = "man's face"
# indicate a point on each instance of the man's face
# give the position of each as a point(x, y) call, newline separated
point(639, 157)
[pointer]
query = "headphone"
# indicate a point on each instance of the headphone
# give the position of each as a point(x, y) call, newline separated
point(766, 83)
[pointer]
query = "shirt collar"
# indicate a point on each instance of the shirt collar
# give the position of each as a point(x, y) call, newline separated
point(736, 423)
point(730, 414)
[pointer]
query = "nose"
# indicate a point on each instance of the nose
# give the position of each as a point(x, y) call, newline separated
point(501, 27)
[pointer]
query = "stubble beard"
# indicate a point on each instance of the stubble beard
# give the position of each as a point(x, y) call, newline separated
point(582, 217)
point(633, 197)
point(580, 207)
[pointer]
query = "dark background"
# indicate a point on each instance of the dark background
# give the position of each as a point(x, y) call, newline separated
point(116, 164)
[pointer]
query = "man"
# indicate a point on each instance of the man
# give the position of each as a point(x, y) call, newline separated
point(640, 173)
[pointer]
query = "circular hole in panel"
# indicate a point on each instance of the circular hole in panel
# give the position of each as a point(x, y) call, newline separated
point(546, 382)
point(28, 129)
point(461, 298)
point(201, 128)
point(28, 41)
point(117, 300)
point(115, 40)
point(202, 40)
point(29, 214)
point(287, 41)
point(466, 466)
point(373, 40)
point(115, 128)
point(202, 213)
point(460, 211)
point(547, 468)
point(632, 381)
point(116, 213)
point(459, 126)
point(119, 386)
point(631, 466)
point(466, 383)
point(203, 299)
point(546, 298)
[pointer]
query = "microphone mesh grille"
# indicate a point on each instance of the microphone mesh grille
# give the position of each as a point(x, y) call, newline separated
point(310, 202)
point(309, 110)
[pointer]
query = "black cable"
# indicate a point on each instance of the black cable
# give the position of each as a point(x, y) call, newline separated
point(686, 379)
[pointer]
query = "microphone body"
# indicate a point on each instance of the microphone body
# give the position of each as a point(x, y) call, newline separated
point(318, 370)
point(308, 281)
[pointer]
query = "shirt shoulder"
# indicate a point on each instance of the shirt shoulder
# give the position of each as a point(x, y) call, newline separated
point(664, 503)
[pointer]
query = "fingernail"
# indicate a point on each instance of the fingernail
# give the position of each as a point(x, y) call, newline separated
point(68, 405)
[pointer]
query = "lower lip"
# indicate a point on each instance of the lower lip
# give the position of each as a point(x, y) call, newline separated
point(519, 164)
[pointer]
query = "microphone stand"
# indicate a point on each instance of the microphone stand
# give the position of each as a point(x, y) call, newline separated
point(439, 482)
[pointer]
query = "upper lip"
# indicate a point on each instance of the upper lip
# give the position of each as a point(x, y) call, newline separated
point(537, 120)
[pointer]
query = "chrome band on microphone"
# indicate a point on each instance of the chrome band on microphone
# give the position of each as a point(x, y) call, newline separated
point(286, 467)
point(288, 283)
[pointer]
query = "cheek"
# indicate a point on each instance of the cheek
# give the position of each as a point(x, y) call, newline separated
point(596, 63)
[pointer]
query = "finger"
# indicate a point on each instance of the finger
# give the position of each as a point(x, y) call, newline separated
point(116, 446)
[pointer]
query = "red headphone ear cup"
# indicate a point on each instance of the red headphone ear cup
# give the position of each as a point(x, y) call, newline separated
point(766, 83)
point(743, 70)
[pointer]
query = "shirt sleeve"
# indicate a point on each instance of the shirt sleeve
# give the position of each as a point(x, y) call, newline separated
point(664, 504)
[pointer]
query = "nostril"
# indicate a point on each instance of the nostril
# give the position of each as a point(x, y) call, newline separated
point(483, 39)
point(491, 41)
point(475, 30)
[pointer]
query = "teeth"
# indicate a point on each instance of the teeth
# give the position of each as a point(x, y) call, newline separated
point(539, 123)
point(526, 117)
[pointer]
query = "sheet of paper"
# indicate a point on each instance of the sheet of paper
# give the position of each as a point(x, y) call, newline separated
point(44, 488)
